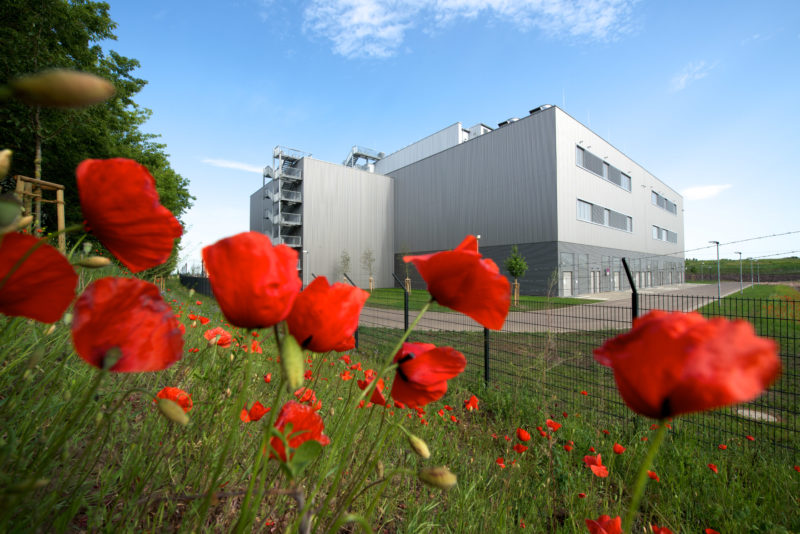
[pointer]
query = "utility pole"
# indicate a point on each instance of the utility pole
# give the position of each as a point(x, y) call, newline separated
point(741, 283)
point(719, 283)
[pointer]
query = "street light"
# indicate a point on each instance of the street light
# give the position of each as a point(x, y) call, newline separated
point(719, 284)
point(479, 241)
point(741, 284)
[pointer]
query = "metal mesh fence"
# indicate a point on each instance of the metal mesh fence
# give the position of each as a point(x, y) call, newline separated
point(547, 351)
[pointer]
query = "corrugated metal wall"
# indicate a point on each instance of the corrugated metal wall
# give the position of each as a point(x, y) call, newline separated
point(257, 207)
point(347, 209)
point(500, 185)
point(434, 143)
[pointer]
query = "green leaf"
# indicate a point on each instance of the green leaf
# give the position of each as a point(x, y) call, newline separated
point(304, 455)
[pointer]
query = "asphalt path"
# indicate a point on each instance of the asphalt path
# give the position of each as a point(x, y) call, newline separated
point(612, 312)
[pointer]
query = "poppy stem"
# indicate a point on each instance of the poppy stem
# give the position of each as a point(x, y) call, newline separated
point(641, 477)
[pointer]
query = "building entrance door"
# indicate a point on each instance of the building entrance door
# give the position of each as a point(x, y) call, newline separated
point(567, 283)
point(594, 282)
point(616, 281)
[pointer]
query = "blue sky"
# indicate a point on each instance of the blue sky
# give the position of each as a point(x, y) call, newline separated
point(702, 94)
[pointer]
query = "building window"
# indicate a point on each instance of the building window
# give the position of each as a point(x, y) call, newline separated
point(663, 203)
point(595, 165)
point(662, 234)
point(593, 213)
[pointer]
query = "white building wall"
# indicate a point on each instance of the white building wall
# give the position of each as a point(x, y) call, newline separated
point(575, 182)
point(345, 208)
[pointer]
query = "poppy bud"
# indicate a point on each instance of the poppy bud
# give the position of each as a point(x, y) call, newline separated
point(93, 262)
point(438, 477)
point(380, 469)
point(292, 363)
point(5, 162)
point(331, 411)
point(213, 341)
point(87, 247)
point(419, 446)
point(62, 88)
point(50, 330)
point(172, 411)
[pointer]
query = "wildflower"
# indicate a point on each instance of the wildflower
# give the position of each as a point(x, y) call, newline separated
point(722, 446)
point(604, 525)
point(797, 468)
point(581, 495)
point(471, 403)
point(254, 283)
point(41, 287)
point(713, 468)
point(255, 347)
point(204, 320)
point(268, 378)
point(454, 419)
point(256, 412)
point(501, 462)
point(120, 206)
point(653, 476)
point(584, 392)
point(176, 395)
point(523, 435)
point(324, 317)
point(568, 447)
point(346, 375)
point(552, 425)
point(305, 424)
point(129, 315)
point(461, 280)
point(423, 371)
point(218, 336)
point(750, 438)
point(606, 432)
point(675, 363)
point(520, 448)
point(618, 449)
point(660, 530)
point(345, 358)
point(595, 463)
point(710, 531)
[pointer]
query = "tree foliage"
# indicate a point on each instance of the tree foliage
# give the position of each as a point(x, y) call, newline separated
point(42, 34)
point(515, 264)
point(368, 261)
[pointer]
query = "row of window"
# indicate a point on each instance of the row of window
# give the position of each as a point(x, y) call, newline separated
point(662, 234)
point(599, 215)
point(663, 203)
point(596, 165)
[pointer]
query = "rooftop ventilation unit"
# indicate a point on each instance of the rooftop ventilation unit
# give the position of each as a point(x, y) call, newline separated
point(540, 108)
point(507, 122)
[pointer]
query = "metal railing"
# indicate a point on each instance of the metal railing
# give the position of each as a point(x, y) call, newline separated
point(289, 196)
point(290, 218)
point(292, 240)
point(290, 172)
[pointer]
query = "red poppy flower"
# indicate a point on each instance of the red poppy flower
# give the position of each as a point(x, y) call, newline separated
point(324, 316)
point(653, 476)
point(121, 207)
point(346, 375)
point(471, 403)
point(268, 378)
point(501, 462)
point(713, 468)
point(520, 448)
point(423, 371)
point(552, 425)
point(461, 280)
point(797, 468)
point(178, 396)
point(223, 337)
point(204, 320)
point(722, 447)
point(256, 412)
point(660, 530)
point(41, 287)
point(305, 424)
point(377, 393)
point(604, 525)
point(595, 463)
point(254, 283)
point(255, 347)
point(584, 392)
point(523, 435)
point(674, 363)
point(618, 449)
point(750, 438)
point(129, 314)
point(581, 495)
point(710, 531)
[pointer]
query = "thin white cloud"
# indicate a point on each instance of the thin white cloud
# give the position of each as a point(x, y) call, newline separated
point(703, 192)
point(227, 164)
point(696, 70)
point(377, 28)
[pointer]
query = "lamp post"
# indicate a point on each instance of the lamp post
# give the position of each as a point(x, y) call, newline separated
point(479, 240)
point(719, 284)
point(741, 283)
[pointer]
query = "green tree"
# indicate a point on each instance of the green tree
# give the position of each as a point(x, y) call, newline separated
point(49, 143)
point(516, 267)
point(344, 262)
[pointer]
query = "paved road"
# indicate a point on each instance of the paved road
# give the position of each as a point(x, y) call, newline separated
point(613, 312)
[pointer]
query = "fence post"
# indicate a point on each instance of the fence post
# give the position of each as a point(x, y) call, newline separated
point(405, 301)
point(486, 356)
point(355, 334)
point(634, 292)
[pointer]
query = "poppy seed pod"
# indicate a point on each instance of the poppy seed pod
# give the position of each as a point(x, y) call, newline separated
point(172, 411)
point(419, 446)
point(62, 88)
point(292, 363)
point(94, 262)
point(438, 477)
